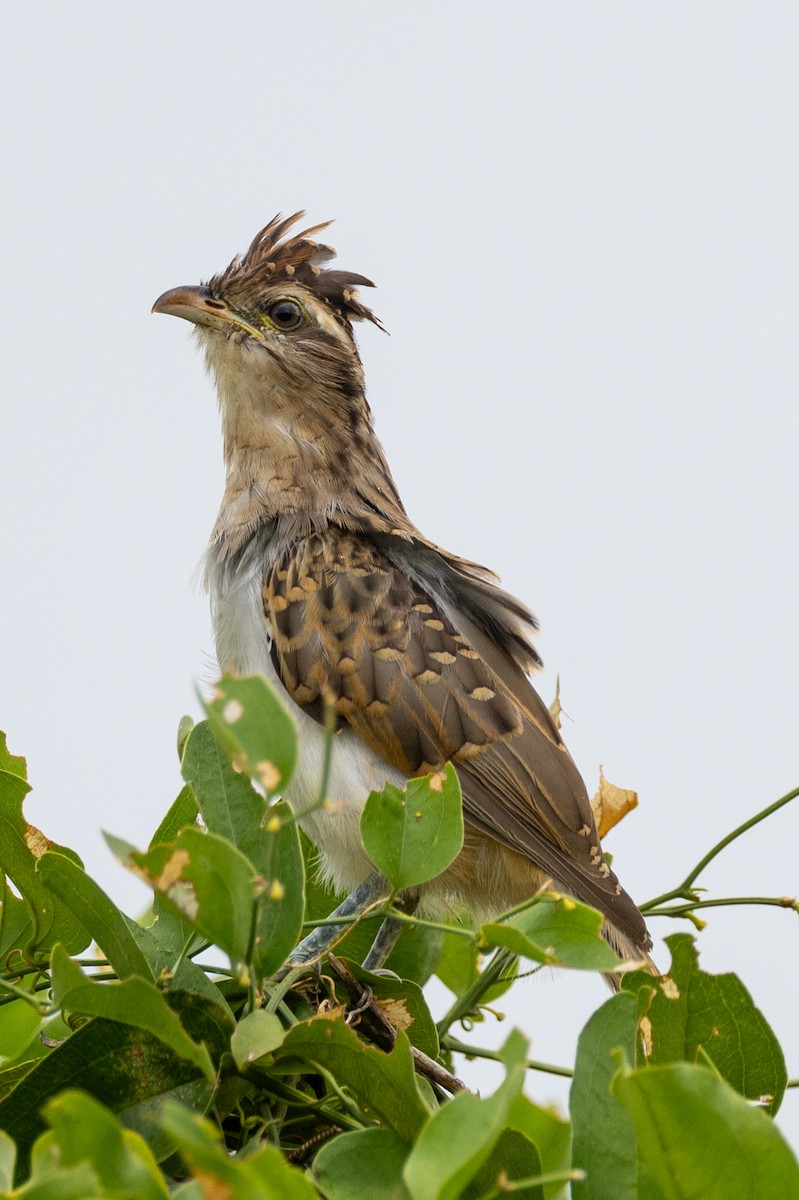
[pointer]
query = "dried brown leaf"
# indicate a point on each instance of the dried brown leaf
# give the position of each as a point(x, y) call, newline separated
point(395, 1010)
point(36, 842)
point(611, 803)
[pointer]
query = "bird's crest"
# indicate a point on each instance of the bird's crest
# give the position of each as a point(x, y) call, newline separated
point(272, 257)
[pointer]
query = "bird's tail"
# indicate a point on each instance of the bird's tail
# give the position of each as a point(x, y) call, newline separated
point(635, 956)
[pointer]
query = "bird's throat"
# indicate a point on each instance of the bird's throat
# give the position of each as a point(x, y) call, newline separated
point(296, 452)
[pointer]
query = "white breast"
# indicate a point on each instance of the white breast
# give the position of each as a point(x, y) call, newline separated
point(242, 645)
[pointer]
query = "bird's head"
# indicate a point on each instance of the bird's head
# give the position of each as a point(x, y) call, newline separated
point(277, 314)
point(276, 329)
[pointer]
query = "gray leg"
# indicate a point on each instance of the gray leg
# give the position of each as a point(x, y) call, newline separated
point(387, 935)
point(320, 938)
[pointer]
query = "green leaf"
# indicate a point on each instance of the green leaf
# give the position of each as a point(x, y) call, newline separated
point(691, 1010)
point(257, 1034)
point(51, 1181)
point(228, 803)
point(385, 1084)
point(256, 729)
point(513, 1158)
point(550, 1135)
point(276, 1179)
point(207, 880)
point(14, 764)
point(162, 944)
point(118, 1063)
point(320, 897)
point(96, 912)
point(86, 1131)
point(412, 834)
point(10, 1077)
point(20, 846)
point(281, 904)
point(458, 966)
point(18, 1021)
point(17, 926)
point(54, 1029)
point(555, 929)
point(181, 814)
point(145, 1116)
point(264, 1175)
point(700, 1138)
point(8, 1151)
point(267, 837)
point(458, 1139)
point(344, 1164)
point(185, 726)
point(604, 1143)
point(132, 1002)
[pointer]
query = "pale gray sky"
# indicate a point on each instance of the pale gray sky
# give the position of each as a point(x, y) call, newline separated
point(583, 222)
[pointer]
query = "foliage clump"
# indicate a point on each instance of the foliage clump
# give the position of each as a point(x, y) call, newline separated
point(149, 1068)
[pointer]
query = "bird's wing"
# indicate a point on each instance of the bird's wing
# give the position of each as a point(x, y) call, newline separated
point(423, 682)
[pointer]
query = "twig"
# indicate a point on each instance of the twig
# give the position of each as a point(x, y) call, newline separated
point(15, 993)
point(499, 962)
point(396, 914)
point(298, 1099)
point(685, 890)
point(384, 1033)
point(453, 1043)
point(684, 910)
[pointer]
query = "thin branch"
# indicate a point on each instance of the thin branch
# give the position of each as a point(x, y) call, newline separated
point(453, 1043)
point(685, 890)
point(285, 983)
point(298, 1099)
point(500, 961)
point(684, 910)
point(408, 919)
point(15, 993)
point(383, 1032)
point(353, 919)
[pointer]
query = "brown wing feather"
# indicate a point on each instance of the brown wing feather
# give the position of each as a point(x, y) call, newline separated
point(423, 684)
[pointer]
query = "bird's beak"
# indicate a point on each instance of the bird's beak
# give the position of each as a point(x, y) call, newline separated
point(196, 304)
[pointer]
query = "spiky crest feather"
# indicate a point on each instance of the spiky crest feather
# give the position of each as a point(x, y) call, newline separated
point(273, 257)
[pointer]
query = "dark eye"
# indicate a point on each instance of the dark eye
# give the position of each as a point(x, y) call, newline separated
point(286, 314)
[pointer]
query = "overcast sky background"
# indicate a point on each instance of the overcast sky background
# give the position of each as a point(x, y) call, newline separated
point(583, 222)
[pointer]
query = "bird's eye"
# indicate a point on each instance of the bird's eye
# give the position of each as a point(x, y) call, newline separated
point(285, 314)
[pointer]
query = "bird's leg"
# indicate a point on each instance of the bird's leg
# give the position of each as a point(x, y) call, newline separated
point(320, 938)
point(389, 932)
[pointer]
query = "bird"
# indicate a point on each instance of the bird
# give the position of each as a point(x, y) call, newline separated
point(320, 582)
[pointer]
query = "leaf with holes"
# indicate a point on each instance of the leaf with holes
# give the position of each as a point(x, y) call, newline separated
point(413, 833)
point(255, 728)
point(207, 880)
point(691, 1013)
point(21, 846)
